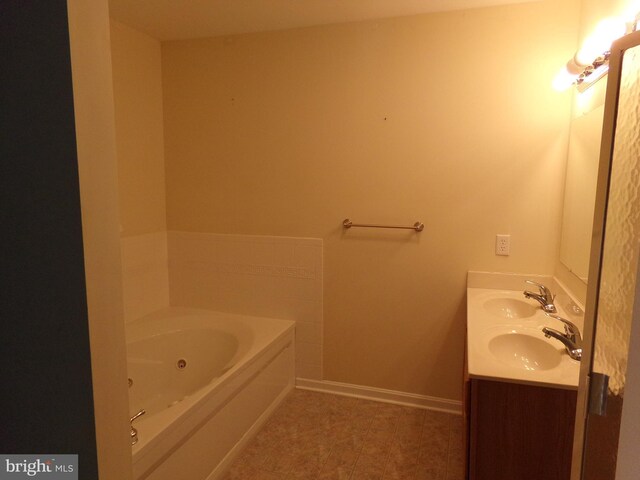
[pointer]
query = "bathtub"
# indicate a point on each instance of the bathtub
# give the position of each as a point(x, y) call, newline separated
point(207, 381)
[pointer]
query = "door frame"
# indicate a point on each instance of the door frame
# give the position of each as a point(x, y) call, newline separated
point(597, 241)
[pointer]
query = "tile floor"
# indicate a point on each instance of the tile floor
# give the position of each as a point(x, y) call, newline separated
point(320, 436)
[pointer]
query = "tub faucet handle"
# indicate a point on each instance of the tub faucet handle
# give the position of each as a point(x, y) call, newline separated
point(139, 414)
point(134, 432)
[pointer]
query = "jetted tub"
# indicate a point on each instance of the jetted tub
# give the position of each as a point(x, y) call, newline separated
point(207, 380)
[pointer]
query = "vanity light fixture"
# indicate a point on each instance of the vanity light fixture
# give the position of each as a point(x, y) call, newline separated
point(591, 62)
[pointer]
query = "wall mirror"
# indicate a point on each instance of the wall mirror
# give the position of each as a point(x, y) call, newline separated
point(580, 191)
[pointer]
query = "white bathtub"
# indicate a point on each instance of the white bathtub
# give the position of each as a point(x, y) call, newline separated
point(207, 380)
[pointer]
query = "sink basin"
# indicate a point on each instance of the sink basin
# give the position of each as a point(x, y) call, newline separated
point(509, 308)
point(524, 351)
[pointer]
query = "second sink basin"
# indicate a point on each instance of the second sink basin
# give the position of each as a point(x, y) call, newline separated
point(524, 349)
point(509, 308)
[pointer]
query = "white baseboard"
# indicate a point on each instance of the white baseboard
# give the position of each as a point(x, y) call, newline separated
point(233, 454)
point(381, 395)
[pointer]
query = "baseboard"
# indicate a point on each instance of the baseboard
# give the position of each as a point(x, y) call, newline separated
point(381, 395)
point(233, 454)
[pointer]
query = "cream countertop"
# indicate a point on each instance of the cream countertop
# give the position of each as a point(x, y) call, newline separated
point(505, 340)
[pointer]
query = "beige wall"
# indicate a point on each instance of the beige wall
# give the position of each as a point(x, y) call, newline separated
point(137, 85)
point(445, 118)
point(95, 135)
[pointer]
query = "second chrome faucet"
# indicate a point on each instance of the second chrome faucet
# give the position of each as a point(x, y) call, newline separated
point(571, 338)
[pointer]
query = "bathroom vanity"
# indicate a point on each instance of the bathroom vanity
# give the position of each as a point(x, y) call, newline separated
point(519, 431)
point(520, 388)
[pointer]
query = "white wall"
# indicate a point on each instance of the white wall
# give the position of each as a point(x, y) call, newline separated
point(256, 275)
point(145, 274)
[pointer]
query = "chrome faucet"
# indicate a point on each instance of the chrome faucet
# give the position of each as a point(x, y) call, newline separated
point(571, 337)
point(545, 298)
point(134, 432)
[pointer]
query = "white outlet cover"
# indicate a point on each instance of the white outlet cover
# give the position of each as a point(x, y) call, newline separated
point(503, 244)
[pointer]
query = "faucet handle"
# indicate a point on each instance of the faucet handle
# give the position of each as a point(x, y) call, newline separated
point(139, 414)
point(543, 289)
point(569, 327)
point(134, 431)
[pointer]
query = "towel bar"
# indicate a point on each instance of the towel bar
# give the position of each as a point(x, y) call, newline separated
point(418, 226)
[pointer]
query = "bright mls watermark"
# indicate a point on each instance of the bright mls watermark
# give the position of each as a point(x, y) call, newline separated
point(50, 467)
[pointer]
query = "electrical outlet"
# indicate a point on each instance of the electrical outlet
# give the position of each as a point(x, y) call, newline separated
point(503, 244)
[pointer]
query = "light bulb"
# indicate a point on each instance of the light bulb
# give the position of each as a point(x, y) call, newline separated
point(631, 12)
point(600, 40)
point(563, 80)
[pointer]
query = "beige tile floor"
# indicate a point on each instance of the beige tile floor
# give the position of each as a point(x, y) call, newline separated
point(320, 436)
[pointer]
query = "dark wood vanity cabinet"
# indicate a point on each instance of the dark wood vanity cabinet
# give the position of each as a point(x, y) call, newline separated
point(518, 432)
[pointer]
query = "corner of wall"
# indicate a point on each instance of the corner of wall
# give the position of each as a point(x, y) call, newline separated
point(95, 134)
point(575, 287)
point(145, 274)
